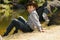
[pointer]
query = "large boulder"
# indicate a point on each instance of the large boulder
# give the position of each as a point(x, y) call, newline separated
point(55, 18)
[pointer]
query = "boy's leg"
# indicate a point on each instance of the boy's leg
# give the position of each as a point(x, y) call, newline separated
point(15, 23)
point(22, 26)
point(16, 30)
point(22, 19)
point(18, 24)
point(9, 28)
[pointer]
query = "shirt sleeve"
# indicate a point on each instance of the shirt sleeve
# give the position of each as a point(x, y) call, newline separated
point(35, 20)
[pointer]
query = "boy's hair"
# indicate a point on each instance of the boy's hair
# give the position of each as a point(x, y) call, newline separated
point(32, 4)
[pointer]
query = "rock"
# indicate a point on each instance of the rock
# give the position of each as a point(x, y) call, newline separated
point(55, 19)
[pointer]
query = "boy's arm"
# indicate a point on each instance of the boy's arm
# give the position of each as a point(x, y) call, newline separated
point(36, 22)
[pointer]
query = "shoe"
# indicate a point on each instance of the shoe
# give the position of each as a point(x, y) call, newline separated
point(4, 35)
point(15, 32)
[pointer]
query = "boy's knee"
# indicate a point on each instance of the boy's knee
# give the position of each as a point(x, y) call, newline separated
point(20, 16)
point(14, 19)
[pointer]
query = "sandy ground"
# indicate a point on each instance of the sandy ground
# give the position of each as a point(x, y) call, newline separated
point(49, 34)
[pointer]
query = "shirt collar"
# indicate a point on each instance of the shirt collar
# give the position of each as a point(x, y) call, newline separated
point(33, 11)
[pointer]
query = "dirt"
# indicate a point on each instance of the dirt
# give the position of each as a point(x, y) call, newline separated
point(50, 34)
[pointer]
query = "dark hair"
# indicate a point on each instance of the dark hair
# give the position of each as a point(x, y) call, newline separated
point(32, 4)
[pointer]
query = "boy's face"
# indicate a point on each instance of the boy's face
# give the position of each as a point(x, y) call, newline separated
point(30, 8)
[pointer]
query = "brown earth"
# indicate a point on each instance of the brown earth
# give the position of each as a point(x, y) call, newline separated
point(49, 34)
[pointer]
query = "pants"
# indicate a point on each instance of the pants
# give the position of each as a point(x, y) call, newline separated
point(18, 24)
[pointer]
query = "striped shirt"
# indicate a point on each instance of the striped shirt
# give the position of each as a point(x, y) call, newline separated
point(33, 20)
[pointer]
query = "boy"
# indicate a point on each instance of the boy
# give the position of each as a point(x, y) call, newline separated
point(23, 25)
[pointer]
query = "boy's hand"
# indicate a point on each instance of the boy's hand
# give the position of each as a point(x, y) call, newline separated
point(42, 31)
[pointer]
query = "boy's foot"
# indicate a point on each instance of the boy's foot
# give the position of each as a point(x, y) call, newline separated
point(15, 32)
point(4, 35)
